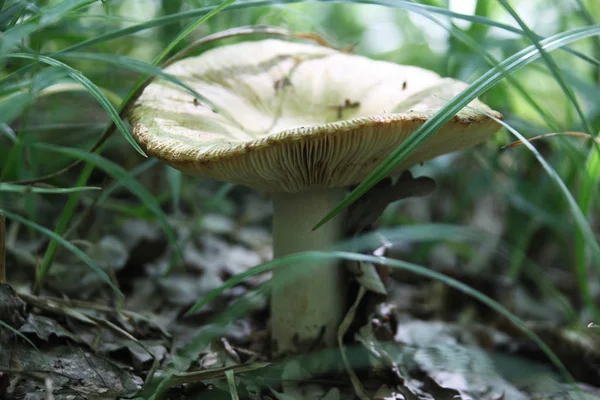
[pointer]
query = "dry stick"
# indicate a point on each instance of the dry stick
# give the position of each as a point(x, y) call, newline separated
point(2, 249)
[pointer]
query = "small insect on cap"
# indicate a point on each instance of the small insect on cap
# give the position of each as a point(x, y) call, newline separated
point(279, 115)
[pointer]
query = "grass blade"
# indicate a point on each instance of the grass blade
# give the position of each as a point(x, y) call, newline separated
point(485, 82)
point(472, 44)
point(14, 105)
point(65, 87)
point(68, 245)
point(400, 4)
point(121, 175)
point(60, 229)
point(95, 160)
point(47, 16)
point(163, 54)
point(8, 132)
point(316, 256)
point(554, 69)
point(7, 187)
point(583, 226)
point(137, 66)
point(8, 14)
point(591, 176)
point(17, 333)
point(113, 169)
point(90, 86)
point(587, 190)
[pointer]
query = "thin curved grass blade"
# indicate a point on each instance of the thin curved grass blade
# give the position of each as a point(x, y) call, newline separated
point(477, 88)
point(133, 173)
point(587, 190)
point(137, 66)
point(518, 143)
point(184, 33)
point(121, 175)
point(93, 158)
point(8, 132)
point(46, 17)
point(423, 9)
point(314, 257)
point(65, 87)
point(590, 20)
point(8, 14)
point(416, 233)
point(8, 187)
point(400, 4)
point(492, 62)
point(66, 244)
point(12, 106)
point(17, 333)
point(583, 227)
point(92, 89)
point(61, 228)
point(550, 63)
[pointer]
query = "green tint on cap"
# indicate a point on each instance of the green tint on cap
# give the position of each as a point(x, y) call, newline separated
point(289, 116)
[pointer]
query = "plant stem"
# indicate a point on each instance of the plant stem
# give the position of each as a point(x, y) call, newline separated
point(306, 312)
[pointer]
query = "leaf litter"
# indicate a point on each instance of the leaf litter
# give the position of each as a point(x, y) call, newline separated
point(400, 340)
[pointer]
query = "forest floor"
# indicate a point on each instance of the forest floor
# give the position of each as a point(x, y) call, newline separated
point(422, 340)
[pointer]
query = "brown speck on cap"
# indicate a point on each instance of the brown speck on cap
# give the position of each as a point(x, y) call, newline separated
point(282, 83)
point(281, 141)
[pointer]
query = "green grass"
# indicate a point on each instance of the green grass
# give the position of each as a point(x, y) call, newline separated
point(541, 83)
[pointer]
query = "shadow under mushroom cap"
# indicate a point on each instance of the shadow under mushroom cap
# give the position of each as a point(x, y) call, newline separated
point(289, 116)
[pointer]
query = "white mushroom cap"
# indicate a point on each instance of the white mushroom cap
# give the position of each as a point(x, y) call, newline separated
point(293, 116)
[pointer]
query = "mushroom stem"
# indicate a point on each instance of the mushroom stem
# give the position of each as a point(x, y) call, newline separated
point(307, 311)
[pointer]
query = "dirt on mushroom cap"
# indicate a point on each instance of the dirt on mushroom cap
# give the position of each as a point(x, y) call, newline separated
point(290, 116)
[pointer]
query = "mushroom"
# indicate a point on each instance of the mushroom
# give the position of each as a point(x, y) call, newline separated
point(302, 122)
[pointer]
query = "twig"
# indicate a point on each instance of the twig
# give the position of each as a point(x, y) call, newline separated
point(69, 303)
point(547, 135)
